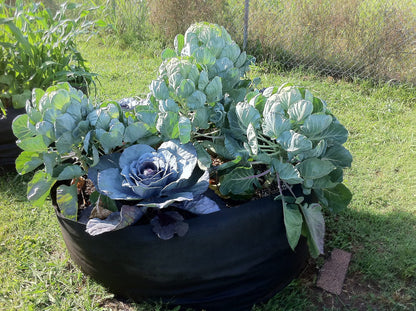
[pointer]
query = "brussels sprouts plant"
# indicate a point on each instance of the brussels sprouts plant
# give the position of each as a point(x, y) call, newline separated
point(203, 130)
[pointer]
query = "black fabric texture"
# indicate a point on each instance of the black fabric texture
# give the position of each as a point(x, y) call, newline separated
point(228, 260)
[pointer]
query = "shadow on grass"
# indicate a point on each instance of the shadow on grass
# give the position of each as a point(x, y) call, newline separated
point(382, 272)
point(12, 184)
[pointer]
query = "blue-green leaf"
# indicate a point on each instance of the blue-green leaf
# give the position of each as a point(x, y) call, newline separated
point(294, 142)
point(314, 168)
point(64, 143)
point(196, 101)
point(185, 89)
point(293, 223)
point(336, 133)
point(300, 110)
point(159, 89)
point(275, 124)
point(338, 197)
point(316, 123)
point(203, 80)
point(135, 131)
point(247, 114)
point(240, 181)
point(315, 224)
point(185, 127)
point(67, 200)
point(338, 155)
point(70, 171)
point(116, 221)
point(214, 90)
point(287, 172)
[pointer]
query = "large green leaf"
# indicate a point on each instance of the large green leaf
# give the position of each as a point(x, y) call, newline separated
point(196, 100)
point(239, 181)
point(252, 139)
point(185, 89)
point(33, 144)
point(64, 123)
point(185, 128)
point(338, 155)
point(300, 110)
point(315, 124)
point(336, 133)
point(167, 124)
point(39, 188)
point(247, 114)
point(203, 80)
point(64, 143)
point(314, 168)
point(201, 118)
point(134, 131)
point(204, 56)
point(20, 127)
point(275, 124)
point(234, 147)
point(293, 223)
point(214, 90)
point(287, 172)
point(67, 200)
point(70, 171)
point(19, 100)
point(315, 224)
point(204, 159)
point(338, 197)
point(27, 161)
point(113, 138)
point(294, 142)
point(168, 53)
point(159, 89)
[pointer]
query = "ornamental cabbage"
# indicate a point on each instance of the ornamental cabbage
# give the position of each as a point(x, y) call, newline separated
point(149, 177)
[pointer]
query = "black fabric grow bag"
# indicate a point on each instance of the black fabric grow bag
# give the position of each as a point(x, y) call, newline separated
point(8, 148)
point(229, 260)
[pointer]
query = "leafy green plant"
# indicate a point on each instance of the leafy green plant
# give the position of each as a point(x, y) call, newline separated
point(283, 140)
point(62, 127)
point(197, 83)
point(38, 50)
point(287, 138)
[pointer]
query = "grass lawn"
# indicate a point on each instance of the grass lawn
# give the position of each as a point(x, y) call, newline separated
point(379, 228)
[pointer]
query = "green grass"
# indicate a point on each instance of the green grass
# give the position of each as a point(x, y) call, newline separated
point(378, 228)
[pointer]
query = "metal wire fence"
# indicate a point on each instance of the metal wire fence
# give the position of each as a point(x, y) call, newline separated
point(369, 39)
point(355, 38)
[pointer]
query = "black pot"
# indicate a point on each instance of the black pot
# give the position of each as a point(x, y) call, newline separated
point(228, 260)
point(8, 148)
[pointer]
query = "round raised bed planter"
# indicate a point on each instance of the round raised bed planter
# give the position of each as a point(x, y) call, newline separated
point(228, 260)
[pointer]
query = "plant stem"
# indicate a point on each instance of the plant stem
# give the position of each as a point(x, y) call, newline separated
point(279, 185)
point(258, 175)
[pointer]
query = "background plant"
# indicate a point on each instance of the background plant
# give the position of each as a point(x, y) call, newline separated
point(39, 50)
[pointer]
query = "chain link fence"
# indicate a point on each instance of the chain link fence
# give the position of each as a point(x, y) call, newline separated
point(368, 39)
point(356, 38)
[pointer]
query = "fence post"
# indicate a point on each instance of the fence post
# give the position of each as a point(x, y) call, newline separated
point(246, 5)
